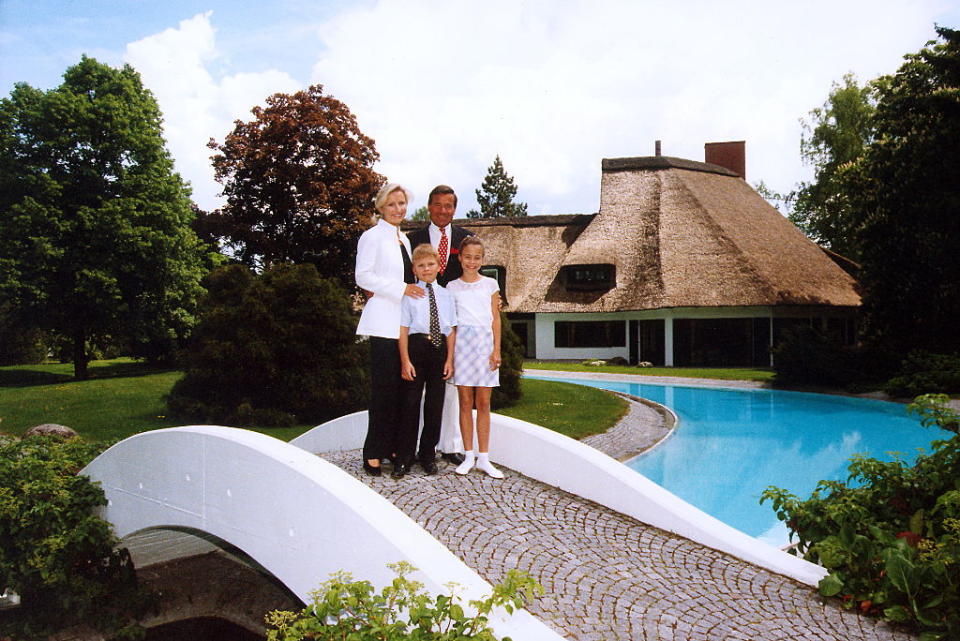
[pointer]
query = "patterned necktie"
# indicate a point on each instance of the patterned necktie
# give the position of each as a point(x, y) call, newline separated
point(442, 248)
point(435, 336)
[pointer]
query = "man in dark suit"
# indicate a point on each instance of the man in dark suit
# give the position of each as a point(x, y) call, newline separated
point(446, 239)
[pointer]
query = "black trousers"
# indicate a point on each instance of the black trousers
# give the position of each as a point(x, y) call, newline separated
point(428, 362)
point(384, 414)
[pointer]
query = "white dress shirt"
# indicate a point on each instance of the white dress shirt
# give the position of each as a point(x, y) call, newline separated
point(415, 312)
point(379, 270)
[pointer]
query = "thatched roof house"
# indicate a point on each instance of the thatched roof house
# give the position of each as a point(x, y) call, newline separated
point(684, 264)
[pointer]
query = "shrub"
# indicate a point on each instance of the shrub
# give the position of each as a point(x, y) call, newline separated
point(274, 349)
point(511, 367)
point(890, 536)
point(54, 552)
point(807, 356)
point(346, 609)
point(925, 373)
point(19, 345)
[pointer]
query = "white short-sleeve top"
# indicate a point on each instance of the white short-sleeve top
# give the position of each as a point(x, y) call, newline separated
point(473, 301)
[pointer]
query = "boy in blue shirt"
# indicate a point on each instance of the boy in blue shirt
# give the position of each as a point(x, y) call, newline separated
point(427, 333)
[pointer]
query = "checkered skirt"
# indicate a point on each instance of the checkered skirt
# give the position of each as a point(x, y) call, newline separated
point(471, 357)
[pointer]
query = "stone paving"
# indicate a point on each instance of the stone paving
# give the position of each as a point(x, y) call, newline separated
point(608, 576)
point(644, 426)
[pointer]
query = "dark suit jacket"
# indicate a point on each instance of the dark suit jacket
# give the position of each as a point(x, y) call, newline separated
point(457, 234)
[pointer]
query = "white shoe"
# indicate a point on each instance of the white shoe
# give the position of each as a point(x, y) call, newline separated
point(485, 465)
point(467, 465)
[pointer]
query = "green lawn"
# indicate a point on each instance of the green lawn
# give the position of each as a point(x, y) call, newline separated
point(761, 374)
point(123, 397)
point(575, 410)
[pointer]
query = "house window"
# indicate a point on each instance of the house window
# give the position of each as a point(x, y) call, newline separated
point(589, 334)
point(499, 274)
point(589, 277)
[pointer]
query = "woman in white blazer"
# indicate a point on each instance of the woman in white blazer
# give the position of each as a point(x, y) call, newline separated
point(384, 270)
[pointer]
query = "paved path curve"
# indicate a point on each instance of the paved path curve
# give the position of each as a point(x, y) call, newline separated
point(608, 576)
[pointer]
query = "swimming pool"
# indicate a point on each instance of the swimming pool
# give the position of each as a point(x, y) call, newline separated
point(731, 444)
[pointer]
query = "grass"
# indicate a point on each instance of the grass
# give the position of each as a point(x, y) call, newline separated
point(761, 374)
point(123, 397)
point(575, 410)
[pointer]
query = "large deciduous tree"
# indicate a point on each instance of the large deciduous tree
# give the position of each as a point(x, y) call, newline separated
point(95, 237)
point(907, 187)
point(835, 136)
point(496, 195)
point(299, 183)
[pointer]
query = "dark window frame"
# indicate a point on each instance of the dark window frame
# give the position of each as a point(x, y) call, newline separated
point(499, 275)
point(590, 334)
point(592, 277)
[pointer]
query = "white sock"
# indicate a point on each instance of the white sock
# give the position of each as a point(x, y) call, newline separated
point(483, 463)
point(467, 464)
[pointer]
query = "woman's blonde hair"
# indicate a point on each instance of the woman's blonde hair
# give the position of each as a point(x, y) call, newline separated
point(388, 189)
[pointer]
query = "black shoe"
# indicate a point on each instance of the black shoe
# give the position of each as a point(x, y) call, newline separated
point(371, 470)
point(399, 470)
point(430, 467)
point(456, 457)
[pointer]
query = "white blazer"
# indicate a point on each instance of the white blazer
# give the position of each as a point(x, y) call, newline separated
point(380, 270)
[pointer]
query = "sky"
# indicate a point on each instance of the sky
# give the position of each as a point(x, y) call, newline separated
point(444, 86)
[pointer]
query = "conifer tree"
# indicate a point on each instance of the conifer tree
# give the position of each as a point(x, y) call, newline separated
point(496, 195)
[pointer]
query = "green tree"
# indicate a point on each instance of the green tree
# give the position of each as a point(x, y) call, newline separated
point(907, 192)
point(299, 183)
point(421, 214)
point(835, 137)
point(95, 237)
point(275, 349)
point(496, 195)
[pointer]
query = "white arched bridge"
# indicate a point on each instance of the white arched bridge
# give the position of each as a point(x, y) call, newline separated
point(301, 517)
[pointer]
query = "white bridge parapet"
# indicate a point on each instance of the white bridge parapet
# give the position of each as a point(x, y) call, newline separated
point(298, 516)
point(570, 465)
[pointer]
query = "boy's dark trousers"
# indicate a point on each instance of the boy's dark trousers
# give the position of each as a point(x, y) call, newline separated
point(428, 362)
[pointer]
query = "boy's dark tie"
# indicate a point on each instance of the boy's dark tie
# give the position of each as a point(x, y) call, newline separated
point(435, 336)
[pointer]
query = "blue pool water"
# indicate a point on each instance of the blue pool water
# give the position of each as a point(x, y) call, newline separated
point(732, 444)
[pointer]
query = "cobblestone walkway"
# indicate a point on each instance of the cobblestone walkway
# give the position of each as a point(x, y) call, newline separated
point(608, 576)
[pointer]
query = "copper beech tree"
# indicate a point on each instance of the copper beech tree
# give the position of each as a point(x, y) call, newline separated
point(299, 184)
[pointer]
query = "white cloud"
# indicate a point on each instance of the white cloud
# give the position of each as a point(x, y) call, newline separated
point(554, 86)
point(175, 65)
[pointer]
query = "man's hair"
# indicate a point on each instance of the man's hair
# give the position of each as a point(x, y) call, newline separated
point(423, 250)
point(442, 189)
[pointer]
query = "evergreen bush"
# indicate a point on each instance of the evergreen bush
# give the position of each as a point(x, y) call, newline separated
point(55, 553)
point(270, 350)
point(925, 373)
point(511, 367)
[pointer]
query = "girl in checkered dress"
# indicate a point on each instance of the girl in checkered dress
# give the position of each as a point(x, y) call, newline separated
point(476, 356)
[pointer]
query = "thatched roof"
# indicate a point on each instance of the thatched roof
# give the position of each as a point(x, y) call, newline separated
point(680, 233)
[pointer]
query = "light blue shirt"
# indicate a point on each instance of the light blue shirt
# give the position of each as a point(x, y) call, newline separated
point(415, 312)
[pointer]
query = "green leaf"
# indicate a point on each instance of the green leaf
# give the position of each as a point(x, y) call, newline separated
point(901, 572)
point(830, 585)
point(897, 614)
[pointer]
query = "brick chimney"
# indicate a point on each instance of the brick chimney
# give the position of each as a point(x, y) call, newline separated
point(732, 155)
